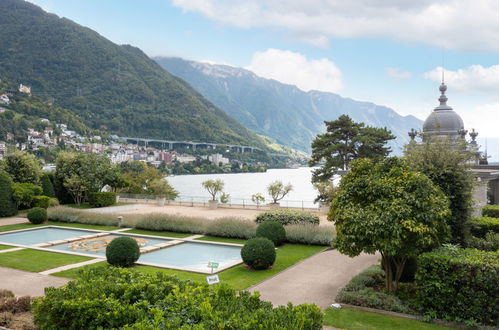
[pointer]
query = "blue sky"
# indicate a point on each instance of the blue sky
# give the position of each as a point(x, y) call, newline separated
point(385, 51)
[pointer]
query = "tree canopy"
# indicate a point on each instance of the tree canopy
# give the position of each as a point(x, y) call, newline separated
point(344, 141)
point(23, 167)
point(383, 206)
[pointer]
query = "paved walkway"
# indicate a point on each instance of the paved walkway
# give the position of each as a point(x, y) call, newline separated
point(315, 280)
point(12, 221)
point(24, 283)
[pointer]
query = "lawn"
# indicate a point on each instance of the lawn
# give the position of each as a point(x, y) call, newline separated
point(239, 277)
point(221, 239)
point(6, 247)
point(37, 261)
point(355, 319)
point(157, 233)
point(19, 226)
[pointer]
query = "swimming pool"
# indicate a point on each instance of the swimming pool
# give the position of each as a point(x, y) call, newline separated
point(42, 235)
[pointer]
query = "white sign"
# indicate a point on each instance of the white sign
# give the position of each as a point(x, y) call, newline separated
point(212, 279)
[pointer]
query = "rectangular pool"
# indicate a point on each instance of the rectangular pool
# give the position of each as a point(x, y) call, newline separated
point(42, 235)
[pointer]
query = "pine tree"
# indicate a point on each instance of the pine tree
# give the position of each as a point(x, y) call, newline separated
point(48, 188)
point(7, 204)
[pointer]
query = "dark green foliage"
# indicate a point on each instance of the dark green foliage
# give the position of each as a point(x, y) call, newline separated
point(288, 217)
point(7, 203)
point(37, 215)
point(112, 298)
point(111, 87)
point(122, 252)
point(491, 211)
point(481, 226)
point(344, 141)
point(364, 290)
point(47, 187)
point(258, 253)
point(272, 230)
point(490, 242)
point(41, 201)
point(24, 193)
point(102, 199)
point(459, 284)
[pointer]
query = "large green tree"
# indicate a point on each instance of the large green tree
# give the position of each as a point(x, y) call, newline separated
point(446, 163)
point(7, 203)
point(383, 206)
point(344, 141)
point(23, 167)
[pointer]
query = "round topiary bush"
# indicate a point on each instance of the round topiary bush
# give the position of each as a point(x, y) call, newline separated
point(37, 215)
point(272, 230)
point(258, 253)
point(122, 252)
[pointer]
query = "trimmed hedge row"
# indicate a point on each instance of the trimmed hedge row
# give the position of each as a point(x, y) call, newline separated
point(459, 284)
point(111, 298)
point(101, 199)
point(491, 211)
point(288, 217)
point(481, 226)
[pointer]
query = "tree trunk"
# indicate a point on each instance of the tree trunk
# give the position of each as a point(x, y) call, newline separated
point(392, 279)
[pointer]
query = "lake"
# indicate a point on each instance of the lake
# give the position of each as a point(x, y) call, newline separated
point(241, 186)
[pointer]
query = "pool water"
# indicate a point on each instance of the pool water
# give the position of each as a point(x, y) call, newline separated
point(194, 256)
point(42, 235)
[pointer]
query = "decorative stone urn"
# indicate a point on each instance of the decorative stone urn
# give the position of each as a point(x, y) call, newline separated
point(213, 204)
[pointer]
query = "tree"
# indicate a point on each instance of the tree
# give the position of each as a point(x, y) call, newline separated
point(257, 199)
point(23, 167)
point(214, 187)
point(344, 141)
point(7, 204)
point(161, 188)
point(24, 193)
point(446, 163)
point(277, 190)
point(387, 208)
point(47, 187)
point(77, 187)
point(326, 190)
point(138, 177)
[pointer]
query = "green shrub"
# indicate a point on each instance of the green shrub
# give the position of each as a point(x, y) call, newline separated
point(41, 201)
point(288, 217)
point(24, 193)
point(489, 243)
point(37, 215)
point(7, 203)
point(112, 298)
point(310, 234)
point(459, 284)
point(72, 215)
point(47, 186)
point(272, 230)
point(231, 228)
point(53, 202)
point(258, 253)
point(364, 290)
point(491, 211)
point(481, 226)
point(122, 252)
point(102, 199)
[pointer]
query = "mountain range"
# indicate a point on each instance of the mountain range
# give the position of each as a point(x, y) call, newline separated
point(283, 112)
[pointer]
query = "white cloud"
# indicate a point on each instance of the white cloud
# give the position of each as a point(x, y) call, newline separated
point(472, 79)
point(396, 73)
point(295, 69)
point(484, 119)
point(453, 24)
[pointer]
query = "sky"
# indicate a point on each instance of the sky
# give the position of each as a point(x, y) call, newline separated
point(390, 52)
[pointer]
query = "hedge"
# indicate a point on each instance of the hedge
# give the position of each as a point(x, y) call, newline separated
point(7, 203)
point(111, 298)
point(489, 243)
point(481, 226)
point(491, 211)
point(272, 230)
point(459, 284)
point(41, 201)
point(288, 217)
point(101, 199)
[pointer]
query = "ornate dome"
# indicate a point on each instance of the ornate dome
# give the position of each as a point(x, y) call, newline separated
point(443, 120)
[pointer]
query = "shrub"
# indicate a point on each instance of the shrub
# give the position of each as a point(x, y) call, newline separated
point(15, 305)
point(41, 201)
point(102, 199)
point(53, 202)
point(47, 186)
point(71, 215)
point(272, 230)
point(6, 293)
point(459, 284)
point(168, 222)
point(491, 211)
point(24, 193)
point(7, 203)
point(489, 243)
point(258, 253)
point(481, 226)
point(37, 215)
point(310, 234)
point(231, 228)
point(108, 297)
point(288, 217)
point(122, 252)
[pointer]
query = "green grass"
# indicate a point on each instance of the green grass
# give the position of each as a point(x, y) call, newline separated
point(157, 233)
point(355, 319)
point(37, 261)
point(81, 225)
point(221, 239)
point(19, 226)
point(239, 277)
point(6, 247)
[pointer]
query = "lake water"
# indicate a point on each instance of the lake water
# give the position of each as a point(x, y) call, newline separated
point(241, 186)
